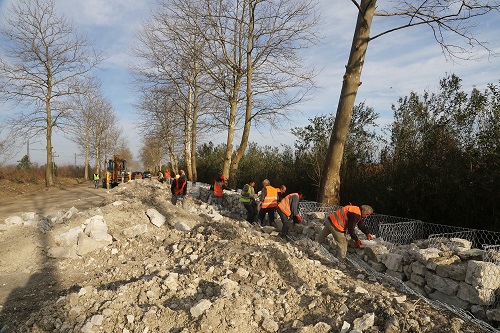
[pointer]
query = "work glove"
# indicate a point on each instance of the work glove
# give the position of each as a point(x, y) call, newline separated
point(358, 243)
point(368, 236)
point(297, 219)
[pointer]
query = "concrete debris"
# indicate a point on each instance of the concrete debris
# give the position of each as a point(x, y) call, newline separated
point(140, 264)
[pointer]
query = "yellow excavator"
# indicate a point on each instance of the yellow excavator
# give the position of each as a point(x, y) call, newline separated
point(115, 172)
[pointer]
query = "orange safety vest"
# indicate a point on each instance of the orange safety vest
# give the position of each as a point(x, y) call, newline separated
point(167, 174)
point(218, 192)
point(178, 190)
point(339, 217)
point(271, 199)
point(284, 204)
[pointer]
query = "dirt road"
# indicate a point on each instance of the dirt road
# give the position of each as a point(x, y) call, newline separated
point(21, 247)
point(45, 202)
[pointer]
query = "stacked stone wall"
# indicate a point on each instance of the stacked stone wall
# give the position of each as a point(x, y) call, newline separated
point(444, 269)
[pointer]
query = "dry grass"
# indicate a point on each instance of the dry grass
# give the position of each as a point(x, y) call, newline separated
point(14, 182)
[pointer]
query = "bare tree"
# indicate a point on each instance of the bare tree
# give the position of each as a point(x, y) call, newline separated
point(171, 55)
point(44, 57)
point(151, 153)
point(107, 137)
point(85, 117)
point(159, 120)
point(8, 145)
point(251, 54)
point(444, 18)
point(243, 53)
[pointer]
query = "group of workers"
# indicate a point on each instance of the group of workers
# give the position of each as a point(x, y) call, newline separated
point(341, 222)
point(275, 200)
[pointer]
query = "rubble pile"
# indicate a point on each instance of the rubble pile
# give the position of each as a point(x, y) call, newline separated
point(136, 263)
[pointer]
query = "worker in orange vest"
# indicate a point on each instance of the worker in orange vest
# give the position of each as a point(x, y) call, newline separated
point(179, 190)
point(343, 221)
point(268, 202)
point(218, 188)
point(168, 177)
point(288, 208)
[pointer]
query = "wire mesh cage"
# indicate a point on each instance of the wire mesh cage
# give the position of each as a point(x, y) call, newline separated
point(316, 207)
point(492, 254)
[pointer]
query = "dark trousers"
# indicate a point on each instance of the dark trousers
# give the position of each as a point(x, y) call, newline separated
point(285, 221)
point(270, 215)
point(251, 208)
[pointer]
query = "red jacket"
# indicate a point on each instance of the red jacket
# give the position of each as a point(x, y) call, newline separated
point(179, 186)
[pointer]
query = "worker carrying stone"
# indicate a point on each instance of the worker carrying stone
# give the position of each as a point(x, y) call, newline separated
point(288, 208)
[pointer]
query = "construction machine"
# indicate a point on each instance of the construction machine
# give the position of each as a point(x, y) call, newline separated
point(115, 172)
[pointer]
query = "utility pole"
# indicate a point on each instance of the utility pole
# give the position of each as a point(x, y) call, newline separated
point(54, 163)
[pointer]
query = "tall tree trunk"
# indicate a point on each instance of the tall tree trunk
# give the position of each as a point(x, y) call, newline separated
point(238, 154)
point(194, 175)
point(87, 148)
point(187, 133)
point(49, 181)
point(330, 185)
point(230, 139)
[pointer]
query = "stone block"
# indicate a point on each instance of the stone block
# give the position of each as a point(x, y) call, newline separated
point(418, 279)
point(87, 244)
point(155, 217)
point(393, 261)
point(451, 300)
point(423, 255)
point(376, 252)
point(418, 268)
point(493, 314)
point(377, 266)
point(398, 275)
point(473, 295)
point(454, 271)
point(432, 263)
point(472, 254)
point(96, 222)
point(416, 288)
point(459, 243)
point(483, 274)
point(444, 285)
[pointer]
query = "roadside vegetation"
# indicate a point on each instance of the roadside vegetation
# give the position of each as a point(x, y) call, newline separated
point(438, 161)
point(15, 180)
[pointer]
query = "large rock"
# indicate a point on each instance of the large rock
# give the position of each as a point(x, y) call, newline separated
point(423, 255)
point(483, 274)
point(394, 262)
point(155, 217)
point(455, 271)
point(473, 295)
point(87, 244)
point(444, 285)
point(376, 253)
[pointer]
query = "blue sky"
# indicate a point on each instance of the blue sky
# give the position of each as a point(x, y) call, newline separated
point(395, 65)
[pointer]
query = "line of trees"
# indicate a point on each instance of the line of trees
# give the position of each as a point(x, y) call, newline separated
point(206, 66)
point(228, 65)
point(439, 161)
point(222, 66)
point(46, 68)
